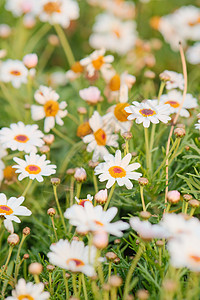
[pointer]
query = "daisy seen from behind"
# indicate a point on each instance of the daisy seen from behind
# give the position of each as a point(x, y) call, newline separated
point(175, 81)
point(93, 218)
point(101, 137)
point(148, 112)
point(117, 169)
point(21, 137)
point(74, 256)
point(13, 71)
point(34, 166)
point(28, 291)
point(10, 209)
point(50, 109)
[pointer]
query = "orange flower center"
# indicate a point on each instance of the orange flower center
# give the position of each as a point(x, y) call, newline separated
point(196, 22)
point(25, 297)
point(51, 108)
point(33, 169)
point(82, 202)
point(98, 223)
point(52, 7)
point(15, 72)
point(155, 22)
point(117, 172)
point(97, 63)
point(8, 173)
point(114, 83)
point(172, 103)
point(100, 137)
point(147, 112)
point(4, 209)
point(83, 129)
point(78, 262)
point(120, 112)
point(117, 33)
point(21, 138)
point(195, 258)
point(77, 68)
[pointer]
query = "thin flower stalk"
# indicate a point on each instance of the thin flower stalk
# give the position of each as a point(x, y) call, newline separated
point(59, 208)
point(110, 196)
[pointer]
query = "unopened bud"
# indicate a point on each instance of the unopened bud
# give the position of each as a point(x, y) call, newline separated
point(160, 243)
point(5, 31)
point(116, 260)
point(13, 239)
point(145, 215)
point(187, 197)
point(111, 255)
point(142, 294)
point(101, 197)
point(50, 268)
point(164, 76)
point(100, 239)
point(149, 74)
point(51, 211)
point(70, 171)
point(92, 164)
point(143, 181)
point(194, 203)
point(106, 287)
point(26, 231)
point(82, 110)
point(179, 132)
point(80, 175)
point(180, 125)
point(134, 154)
point(115, 281)
point(173, 197)
point(75, 238)
point(127, 135)
point(55, 181)
point(30, 60)
point(26, 256)
point(117, 241)
point(44, 149)
point(67, 275)
point(35, 268)
point(169, 285)
point(49, 139)
point(53, 40)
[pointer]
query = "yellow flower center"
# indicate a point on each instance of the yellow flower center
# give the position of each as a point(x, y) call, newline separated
point(117, 172)
point(147, 112)
point(120, 112)
point(52, 7)
point(117, 33)
point(100, 137)
point(25, 297)
point(4, 209)
point(114, 83)
point(78, 262)
point(172, 103)
point(77, 68)
point(97, 63)
point(51, 108)
point(155, 22)
point(195, 258)
point(82, 202)
point(196, 22)
point(98, 223)
point(83, 129)
point(8, 173)
point(15, 72)
point(33, 169)
point(21, 138)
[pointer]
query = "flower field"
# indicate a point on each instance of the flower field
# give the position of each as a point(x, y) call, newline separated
point(99, 149)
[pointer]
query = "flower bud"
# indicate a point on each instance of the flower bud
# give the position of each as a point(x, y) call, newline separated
point(160, 243)
point(101, 197)
point(29, 21)
point(117, 241)
point(106, 287)
point(116, 260)
point(145, 215)
point(5, 31)
point(80, 175)
point(92, 164)
point(115, 281)
point(143, 181)
point(30, 60)
point(51, 211)
point(82, 110)
point(149, 74)
point(26, 256)
point(53, 40)
point(75, 238)
point(13, 239)
point(194, 203)
point(49, 139)
point(44, 149)
point(169, 285)
point(100, 239)
point(111, 255)
point(187, 197)
point(3, 53)
point(173, 197)
point(127, 135)
point(70, 171)
point(35, 268)
point(134, 154)
point(55, 181)
point(50, 268)
point(67, 275)
point(26, 231)
point(164, 76)
point(180, 125)
point(179, 132)
point(142, 294)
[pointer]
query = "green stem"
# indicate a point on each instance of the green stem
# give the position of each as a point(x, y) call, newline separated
point(17, 264)
point(62, 136)
point(59, 208)
point(148, 162)
point(109, 270)
point(78, 189)
point(72, 191)
point(37, 37)
point(69, 155)
point(110, 196)
point(74, 284)
point(66, 285)
point(54, 228)
point(7, 261)
point(73, 118)
point(27, 188)
point(142, 197)
point(95, 183)
point(84, 287)
point(65, 44)
point(192, 211)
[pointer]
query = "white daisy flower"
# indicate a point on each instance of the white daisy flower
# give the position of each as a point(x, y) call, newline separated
point(21, 7)
point(113, 34)
point(176, 80)
point(117, 169)
point(21, 137)
point(121, 9)
point(5, 31)
point(147, 113)
point(82, 201)
point(12, 208)
point(193, 54)
point(92, 95)
point(58, 12)
point(28, 291)
point(34, 166)
point(73, 256)
point(75, 71)
point(117, 116)
point(174, 99)
point(146, 230)
point(197, 125)
point(51, 110)
point(100, 138)
point(96, 61)
point(89, 218)
point(13, 71)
